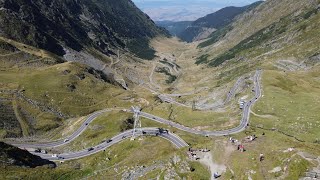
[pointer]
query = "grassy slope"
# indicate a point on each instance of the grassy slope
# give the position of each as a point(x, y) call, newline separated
point(49, 86)
point(208, 120)
point(292, 101)
point(289, 104)
point(102, 128)
point(272, 145)
point(67, 88)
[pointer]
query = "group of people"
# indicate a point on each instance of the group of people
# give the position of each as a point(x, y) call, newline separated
point(240, 147)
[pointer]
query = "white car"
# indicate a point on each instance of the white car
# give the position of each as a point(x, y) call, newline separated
point(54, 155)
point(66, 140)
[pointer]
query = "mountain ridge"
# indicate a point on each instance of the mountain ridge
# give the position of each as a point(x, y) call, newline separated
point(215, 21)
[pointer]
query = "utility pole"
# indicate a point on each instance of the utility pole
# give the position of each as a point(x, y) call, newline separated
point(137, 122)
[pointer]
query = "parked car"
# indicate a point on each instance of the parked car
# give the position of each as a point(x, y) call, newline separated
point(37, 150)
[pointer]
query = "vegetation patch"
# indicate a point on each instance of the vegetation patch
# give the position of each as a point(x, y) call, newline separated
point(202, 59)
point(127, 124)
point(165, 71)
point(166, 62)
point(141, 48)
point(216, 36)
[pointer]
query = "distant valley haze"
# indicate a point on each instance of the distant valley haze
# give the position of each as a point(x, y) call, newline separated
point(184, 10)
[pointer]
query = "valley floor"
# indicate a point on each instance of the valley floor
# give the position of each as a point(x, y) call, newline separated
point(285, 120)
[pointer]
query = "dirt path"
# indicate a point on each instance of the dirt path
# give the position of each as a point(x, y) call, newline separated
point(207, 159)
point(151, 75)
point(262, 116)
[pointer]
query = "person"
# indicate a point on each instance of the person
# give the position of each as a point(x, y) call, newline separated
point(261, 157)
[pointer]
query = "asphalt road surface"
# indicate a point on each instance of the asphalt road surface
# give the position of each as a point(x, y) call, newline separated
point(174, 139)
point(68, 139)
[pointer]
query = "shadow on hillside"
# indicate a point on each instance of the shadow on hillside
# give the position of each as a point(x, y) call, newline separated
point(10, 155)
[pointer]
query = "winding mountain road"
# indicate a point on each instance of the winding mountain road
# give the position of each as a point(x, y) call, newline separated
point(168, 97)
point(68, 139)
point(176, 140)
point(243, 123)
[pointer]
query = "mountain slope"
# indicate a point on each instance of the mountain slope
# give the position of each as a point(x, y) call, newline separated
point(216, 20)
point(254, 33)
point(39, 92)
point(77, 24)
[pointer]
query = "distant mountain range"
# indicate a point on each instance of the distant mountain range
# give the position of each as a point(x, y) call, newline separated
point(205, 26)
point(175, 28)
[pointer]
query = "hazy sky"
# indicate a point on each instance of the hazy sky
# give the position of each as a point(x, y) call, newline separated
point(177, 10)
